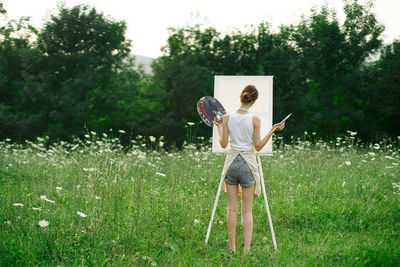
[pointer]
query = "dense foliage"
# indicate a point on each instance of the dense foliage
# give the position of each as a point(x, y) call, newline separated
point(76, 74)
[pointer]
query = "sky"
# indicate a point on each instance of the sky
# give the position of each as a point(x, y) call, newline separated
point(148, 20)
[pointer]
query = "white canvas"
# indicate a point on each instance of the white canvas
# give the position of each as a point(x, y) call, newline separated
point(227, 90)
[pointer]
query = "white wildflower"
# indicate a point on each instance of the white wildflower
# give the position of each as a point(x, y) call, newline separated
point(18, 204)
point(87, 136)
point(352, 133)
point(190, 123)
point(161, 174)
point(78, 186)
point(348, 163)
point(43, 223)
point(36, 208)
point(93, 133)
point(161, 144)
point(152, 138)
point(81, 214)
point(121, 131)
point(58, 188)
point(376, 146)
point(43, 197)
point(97, 197)
point(372, 154)
point(196, 221)
point(89, 169)
point(343, 183)
point(389, 157)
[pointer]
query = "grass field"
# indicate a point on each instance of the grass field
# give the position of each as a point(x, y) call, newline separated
point(92, 202)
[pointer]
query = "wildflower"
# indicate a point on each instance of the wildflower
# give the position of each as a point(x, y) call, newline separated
point(196, 221)
point(389, 157)
point(9, 165)
point(352, 133)
point(81, 214)
point(161, 174)
point(78, 186)
point(43, 197)
point(89, 169)
point(190, 123)
point(36, 208)
point(161, 144)
point(18, 204)
point(372, 154)
point(87, 136)
point(43, 223)
point(348, 163)
point(105, 135)
point(93, 133)
point(58, 188)
point(97, 197)
point(8, 139)
point(121, 131)
point(343, 183)
point(376, 146)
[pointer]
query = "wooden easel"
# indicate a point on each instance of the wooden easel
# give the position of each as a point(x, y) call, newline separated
point(266, 205)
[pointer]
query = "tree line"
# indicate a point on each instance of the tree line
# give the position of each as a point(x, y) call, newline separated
point(76, 74)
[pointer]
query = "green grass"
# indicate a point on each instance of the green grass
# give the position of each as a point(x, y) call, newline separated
point(325, 212)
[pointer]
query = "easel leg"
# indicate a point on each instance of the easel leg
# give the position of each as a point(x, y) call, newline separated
point(214, 209)
point(266, 203)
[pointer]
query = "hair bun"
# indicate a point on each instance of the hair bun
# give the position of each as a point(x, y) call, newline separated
point(246, 97)
point(249, 93)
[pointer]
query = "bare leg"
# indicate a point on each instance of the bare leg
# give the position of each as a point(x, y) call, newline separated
point(247, 204)
point(233, 207)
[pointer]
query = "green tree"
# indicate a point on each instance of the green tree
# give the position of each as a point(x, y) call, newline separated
point(331, 58)
point(15, 48)
point(72, 82)
point(383, 83)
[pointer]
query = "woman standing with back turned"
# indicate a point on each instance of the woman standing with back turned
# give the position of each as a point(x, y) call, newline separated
point(240, 167)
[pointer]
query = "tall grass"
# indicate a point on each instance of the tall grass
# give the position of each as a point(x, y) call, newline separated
point(332, 203)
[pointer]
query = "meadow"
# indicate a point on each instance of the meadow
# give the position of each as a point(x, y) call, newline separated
point(93, 202)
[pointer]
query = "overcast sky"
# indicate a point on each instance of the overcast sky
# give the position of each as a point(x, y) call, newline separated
point(148, 20)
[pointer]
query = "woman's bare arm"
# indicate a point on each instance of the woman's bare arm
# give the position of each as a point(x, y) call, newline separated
point(223, 131)
point(258, 142)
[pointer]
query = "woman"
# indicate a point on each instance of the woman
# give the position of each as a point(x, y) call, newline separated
point(240, 167)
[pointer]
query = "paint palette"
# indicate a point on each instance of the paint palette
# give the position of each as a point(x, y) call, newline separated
point(209, 108)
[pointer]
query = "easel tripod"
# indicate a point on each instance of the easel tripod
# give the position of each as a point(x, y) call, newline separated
point(266, 205)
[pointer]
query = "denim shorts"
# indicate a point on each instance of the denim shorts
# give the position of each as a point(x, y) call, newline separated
point(239, 173)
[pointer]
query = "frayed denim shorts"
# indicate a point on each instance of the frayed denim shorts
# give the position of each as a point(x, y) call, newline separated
point(239, 173)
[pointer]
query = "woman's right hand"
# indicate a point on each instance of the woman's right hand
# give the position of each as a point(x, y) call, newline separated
point(279, 126)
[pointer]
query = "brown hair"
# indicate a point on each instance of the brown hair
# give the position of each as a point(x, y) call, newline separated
point(248, 94)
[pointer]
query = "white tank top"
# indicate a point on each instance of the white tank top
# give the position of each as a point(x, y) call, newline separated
point(241, 129)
